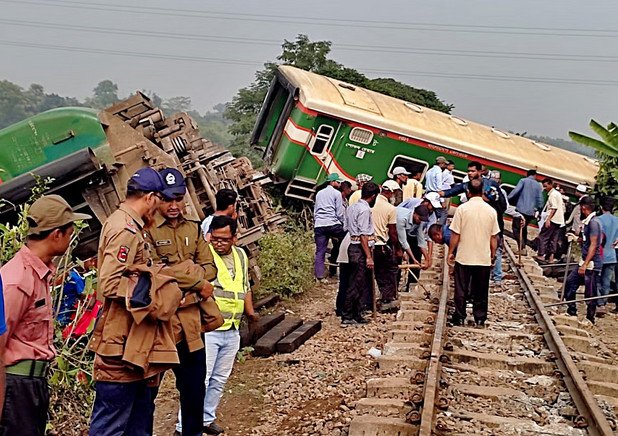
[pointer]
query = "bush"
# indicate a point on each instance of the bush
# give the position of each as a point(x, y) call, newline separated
point(286, 262)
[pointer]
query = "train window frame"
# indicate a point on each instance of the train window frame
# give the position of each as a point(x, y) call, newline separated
point(363, 130)
point(509, 190)
point(319, 136)
point(459, 175)
point(394, 163)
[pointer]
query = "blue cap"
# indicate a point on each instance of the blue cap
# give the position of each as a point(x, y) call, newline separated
point(174, 183)
point(146, 179)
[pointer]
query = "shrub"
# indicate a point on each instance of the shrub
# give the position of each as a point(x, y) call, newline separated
point(286, 262)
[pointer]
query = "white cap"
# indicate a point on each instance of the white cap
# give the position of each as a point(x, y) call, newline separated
point(434, 199)
point(391, 185)
point(582, 188)
point(397, 171)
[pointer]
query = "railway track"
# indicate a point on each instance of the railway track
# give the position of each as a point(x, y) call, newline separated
point(527, 372)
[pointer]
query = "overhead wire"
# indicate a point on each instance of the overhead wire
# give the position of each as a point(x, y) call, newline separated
point(319, 21)
point(346, 47)
point(150, 55)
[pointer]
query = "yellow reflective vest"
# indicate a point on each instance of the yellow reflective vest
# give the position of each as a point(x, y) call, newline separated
point(230, 292)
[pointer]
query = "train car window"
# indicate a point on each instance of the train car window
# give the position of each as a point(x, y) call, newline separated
point(458, 176)
point(507, 188)
point(322, 138)
point(363, 136)
point(409, 163)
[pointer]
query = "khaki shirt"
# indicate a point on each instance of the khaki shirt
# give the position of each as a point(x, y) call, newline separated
point(182, 243)
point(476, 222)
point(383, 214)
point(122, 244)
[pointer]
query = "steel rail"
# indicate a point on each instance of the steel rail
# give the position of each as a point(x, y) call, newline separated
point(585, 402)
point(432, 378)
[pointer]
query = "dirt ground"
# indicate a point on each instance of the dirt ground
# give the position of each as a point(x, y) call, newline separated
point(310, 391)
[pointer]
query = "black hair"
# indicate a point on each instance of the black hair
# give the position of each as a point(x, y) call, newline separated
point(345, 184)
point(587, 202)
point(607, 204)
point(547, 180)
point(223, 221)
point(476, 165)
point(416, 171)
point(225, 198)
point(369, 189)
point(475, 188)
point(434, 229)
point(43, 235)
point(531, 173)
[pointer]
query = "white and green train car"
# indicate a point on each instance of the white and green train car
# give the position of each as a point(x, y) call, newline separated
point(311, 126)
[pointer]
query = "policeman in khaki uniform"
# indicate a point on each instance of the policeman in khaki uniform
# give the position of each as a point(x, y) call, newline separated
point(131, 352)
point(178, 243)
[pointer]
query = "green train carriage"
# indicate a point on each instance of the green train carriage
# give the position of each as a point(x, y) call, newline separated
point(311, 126)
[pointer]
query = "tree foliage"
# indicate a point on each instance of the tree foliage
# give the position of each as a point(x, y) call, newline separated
point(312, 56)
point(104, 94)
point(607, 152)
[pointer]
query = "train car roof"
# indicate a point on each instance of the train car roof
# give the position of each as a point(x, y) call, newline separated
point(350, 102)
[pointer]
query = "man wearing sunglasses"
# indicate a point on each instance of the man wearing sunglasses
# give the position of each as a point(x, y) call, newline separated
point(178, 242)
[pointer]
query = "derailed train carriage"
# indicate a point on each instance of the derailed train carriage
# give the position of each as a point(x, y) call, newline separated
point(90, 156)
point(311, 125)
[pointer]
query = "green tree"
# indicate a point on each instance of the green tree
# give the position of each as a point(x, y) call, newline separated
point(12, 107)
point(607, 152)
point(176, 104)
point(105, 94)
point(311, 56)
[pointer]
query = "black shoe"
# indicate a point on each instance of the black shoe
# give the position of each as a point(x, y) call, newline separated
point(213, 428)
point(480, 323)
point(457, 321)
point(571, 312)
point(361, 320)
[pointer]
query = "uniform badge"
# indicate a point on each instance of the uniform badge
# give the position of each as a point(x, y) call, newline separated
point(170, 179)
point(163, 242)
point(123, 253)
point(131, 227)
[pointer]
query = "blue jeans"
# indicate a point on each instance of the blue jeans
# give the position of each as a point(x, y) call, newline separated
point(496, 273)
point(322, 235)
point(123, 409)
point(591, 281)
point(606, 281)
point(221, 349)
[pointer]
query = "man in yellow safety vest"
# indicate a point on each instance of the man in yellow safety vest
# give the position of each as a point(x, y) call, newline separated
point(233, 296)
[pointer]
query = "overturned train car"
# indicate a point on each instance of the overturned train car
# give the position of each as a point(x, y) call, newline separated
point(90, 156)
point(311, 125)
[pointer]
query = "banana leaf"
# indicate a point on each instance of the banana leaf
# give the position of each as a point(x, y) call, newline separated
point(609, 137)
point(594, 143)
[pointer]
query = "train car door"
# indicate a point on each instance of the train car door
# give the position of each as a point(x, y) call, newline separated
point(322, 139)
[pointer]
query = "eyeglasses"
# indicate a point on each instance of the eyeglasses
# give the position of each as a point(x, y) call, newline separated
point(219, 240)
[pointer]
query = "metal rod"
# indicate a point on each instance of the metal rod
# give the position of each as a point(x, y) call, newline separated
point(598, 297)
point(566, 270)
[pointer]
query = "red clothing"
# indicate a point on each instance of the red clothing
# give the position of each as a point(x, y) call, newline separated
point(28, 306)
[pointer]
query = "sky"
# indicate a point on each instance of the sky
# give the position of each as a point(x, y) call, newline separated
point(539, 66)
